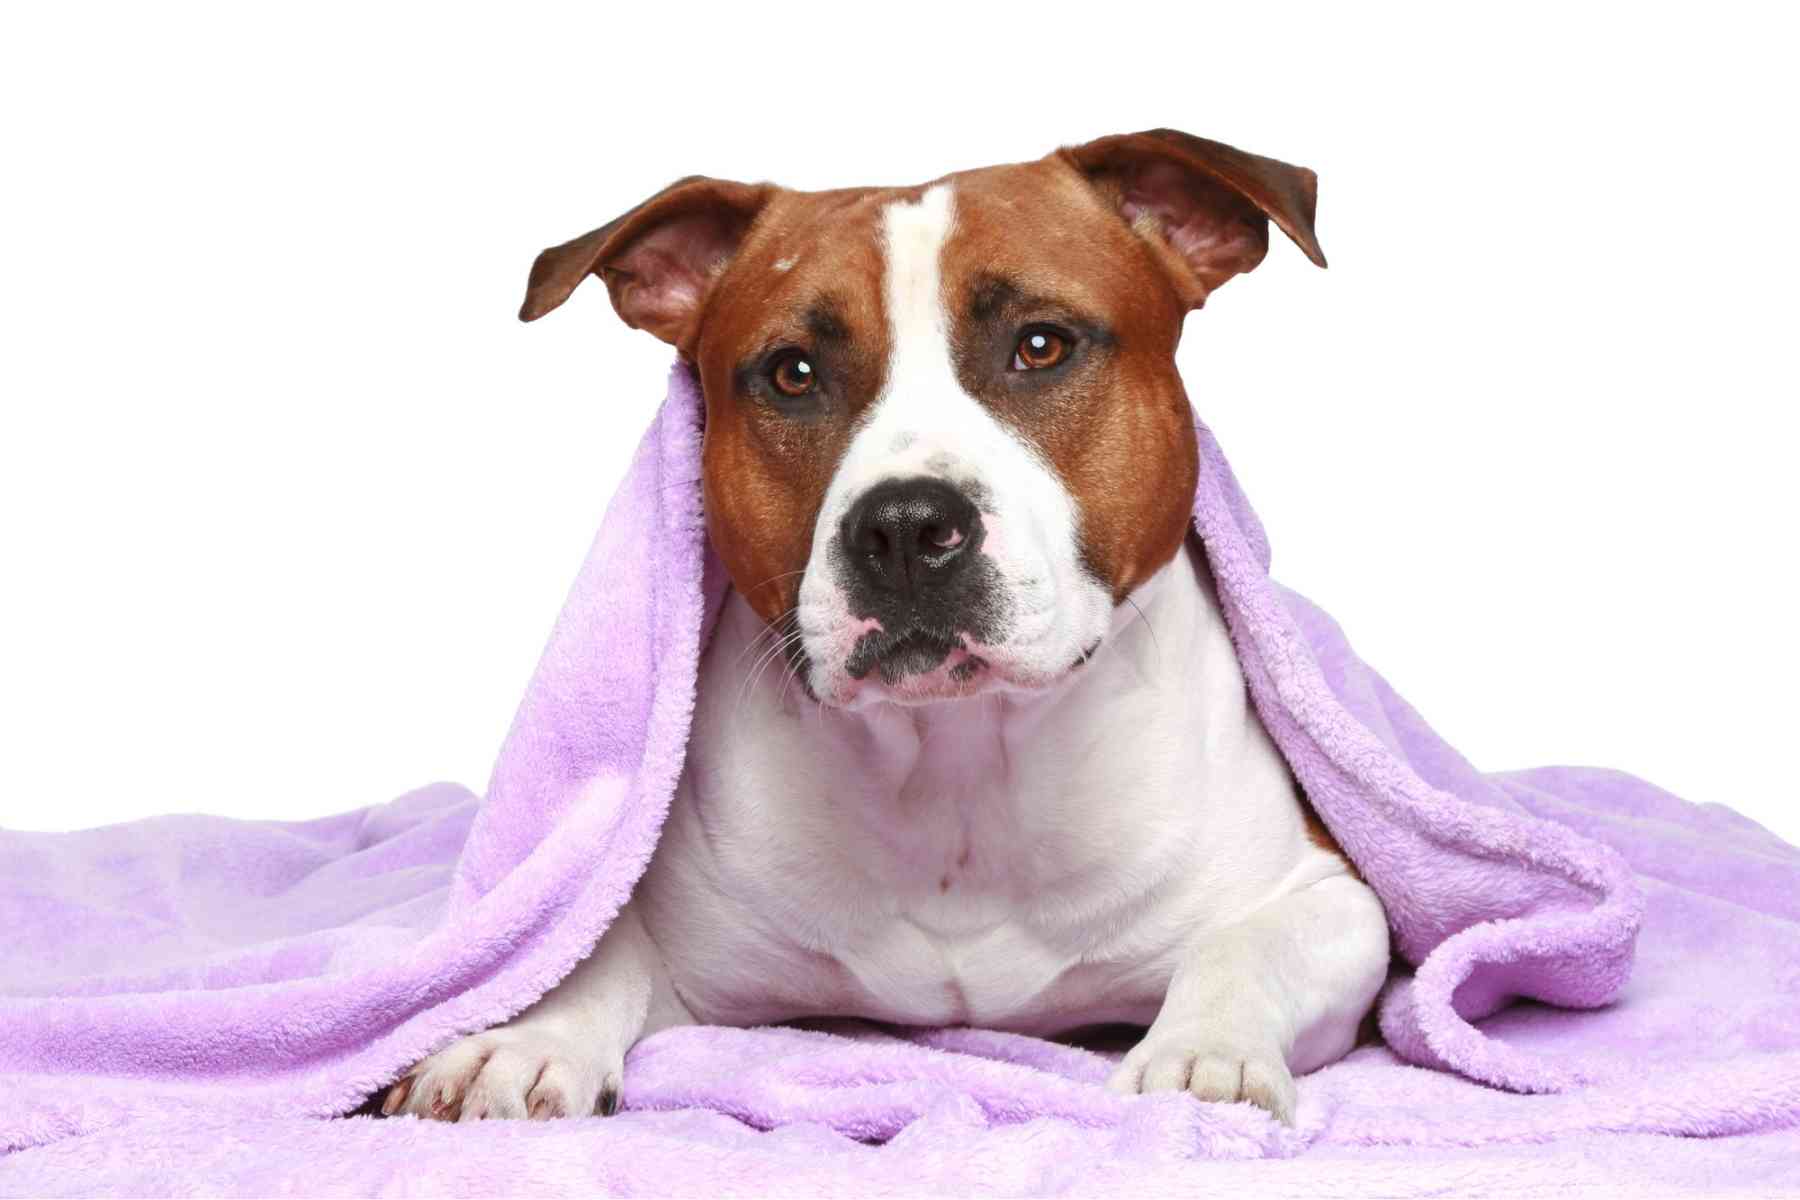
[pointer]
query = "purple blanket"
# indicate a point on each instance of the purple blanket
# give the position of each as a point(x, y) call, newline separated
point(185, 1001)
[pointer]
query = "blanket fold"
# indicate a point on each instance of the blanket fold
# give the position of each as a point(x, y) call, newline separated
point(184, 967)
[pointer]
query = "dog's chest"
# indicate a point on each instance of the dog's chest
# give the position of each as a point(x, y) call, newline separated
point(1024, 865)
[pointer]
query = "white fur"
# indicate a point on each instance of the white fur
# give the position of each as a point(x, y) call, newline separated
point(1122, 843)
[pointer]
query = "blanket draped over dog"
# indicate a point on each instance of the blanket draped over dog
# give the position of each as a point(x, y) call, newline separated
point(184, 999)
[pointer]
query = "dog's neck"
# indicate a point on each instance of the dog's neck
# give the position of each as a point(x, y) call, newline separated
point(1161, 696)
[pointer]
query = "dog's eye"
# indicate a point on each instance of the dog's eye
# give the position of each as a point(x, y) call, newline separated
point(1038, 349)
point(793, 374)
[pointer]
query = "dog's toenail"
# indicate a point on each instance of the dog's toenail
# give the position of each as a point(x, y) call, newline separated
point(396, 1097)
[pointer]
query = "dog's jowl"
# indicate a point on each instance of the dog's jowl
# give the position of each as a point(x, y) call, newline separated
point(971, 744)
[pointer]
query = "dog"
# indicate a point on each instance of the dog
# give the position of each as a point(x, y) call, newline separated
point(971, 744)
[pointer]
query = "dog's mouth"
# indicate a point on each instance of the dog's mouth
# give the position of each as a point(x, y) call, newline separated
point(893, 657)
point(923, 665)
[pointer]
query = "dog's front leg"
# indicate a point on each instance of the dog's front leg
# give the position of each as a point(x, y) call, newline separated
point(563, 1056)
point(1254, 1004)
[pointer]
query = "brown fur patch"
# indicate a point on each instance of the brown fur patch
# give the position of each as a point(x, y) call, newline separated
point(1117, 427)
point(809, 256)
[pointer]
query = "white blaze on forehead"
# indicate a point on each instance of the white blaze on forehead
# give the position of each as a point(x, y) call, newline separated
point(925, 424)
point(915, 235)
point(923, 421)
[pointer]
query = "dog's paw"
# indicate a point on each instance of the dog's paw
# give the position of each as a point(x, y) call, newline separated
point(507, 1073)
point(1211, 1070)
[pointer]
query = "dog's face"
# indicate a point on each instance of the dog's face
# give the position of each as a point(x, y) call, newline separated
point(945, 435)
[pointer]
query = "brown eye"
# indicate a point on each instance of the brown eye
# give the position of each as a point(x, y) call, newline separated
point(793, 375)
point(1038, 349)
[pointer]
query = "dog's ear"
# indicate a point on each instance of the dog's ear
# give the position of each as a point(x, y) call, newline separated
point(658, 260)
point(1206, 205)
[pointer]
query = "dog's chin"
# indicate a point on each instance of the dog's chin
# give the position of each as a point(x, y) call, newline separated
point(931, 687)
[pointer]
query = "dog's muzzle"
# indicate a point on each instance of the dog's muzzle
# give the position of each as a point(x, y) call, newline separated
point(913, 563)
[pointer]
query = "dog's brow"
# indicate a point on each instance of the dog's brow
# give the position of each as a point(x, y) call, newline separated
point(995, 295)
point(992, 293)
point(825, 320)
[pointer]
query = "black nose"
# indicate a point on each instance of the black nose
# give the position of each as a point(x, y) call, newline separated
point(907, 535)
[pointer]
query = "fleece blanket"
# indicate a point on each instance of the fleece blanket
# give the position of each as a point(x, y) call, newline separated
point(196, 1005)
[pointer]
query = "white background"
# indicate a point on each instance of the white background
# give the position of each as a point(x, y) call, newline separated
point(288, 499)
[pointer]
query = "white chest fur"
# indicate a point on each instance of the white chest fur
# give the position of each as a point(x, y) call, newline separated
point(1025, 862)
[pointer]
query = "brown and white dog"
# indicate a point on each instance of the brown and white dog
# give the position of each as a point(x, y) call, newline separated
point(1007, 773)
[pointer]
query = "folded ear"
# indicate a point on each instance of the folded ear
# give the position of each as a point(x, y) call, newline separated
point(1206, 203)
point(658, 260)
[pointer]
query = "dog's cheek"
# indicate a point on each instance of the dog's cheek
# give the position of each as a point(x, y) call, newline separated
point(760, 524)
point(1134, 483)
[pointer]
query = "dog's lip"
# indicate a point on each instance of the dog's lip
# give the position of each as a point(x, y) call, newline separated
point(878, 647)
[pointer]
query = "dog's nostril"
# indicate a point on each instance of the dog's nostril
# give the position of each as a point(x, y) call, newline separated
point(872, 541)
point(908, 533)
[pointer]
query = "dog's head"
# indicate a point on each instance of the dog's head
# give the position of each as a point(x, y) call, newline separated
point(945, 435)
